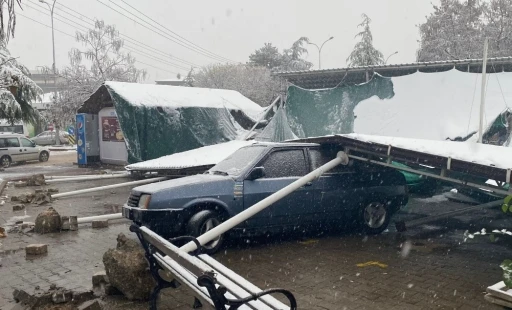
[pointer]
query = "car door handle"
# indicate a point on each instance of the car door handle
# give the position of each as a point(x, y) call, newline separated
point(21, 150)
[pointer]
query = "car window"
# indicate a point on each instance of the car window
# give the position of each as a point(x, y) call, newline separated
point(239, 161)
point(26, 142)
point(321, 157)
point(12, 142)
point(3, 142)
point(43, 134)
point(289, 163)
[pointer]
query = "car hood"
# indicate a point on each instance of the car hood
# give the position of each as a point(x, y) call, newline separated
point(202, 179)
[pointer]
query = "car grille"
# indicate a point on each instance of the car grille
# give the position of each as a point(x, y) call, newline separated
point(133, 200)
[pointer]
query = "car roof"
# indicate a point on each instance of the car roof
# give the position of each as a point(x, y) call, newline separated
point(10, 135)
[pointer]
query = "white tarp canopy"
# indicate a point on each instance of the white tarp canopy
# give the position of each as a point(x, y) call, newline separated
point(434, 106)
point(203, 156)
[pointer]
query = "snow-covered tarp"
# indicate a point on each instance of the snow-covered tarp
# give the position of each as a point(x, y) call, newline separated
point(483, 154)
point(159, 120)
point(203, 156)
point(433, 106)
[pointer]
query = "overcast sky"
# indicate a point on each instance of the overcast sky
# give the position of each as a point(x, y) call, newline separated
point(232, 29)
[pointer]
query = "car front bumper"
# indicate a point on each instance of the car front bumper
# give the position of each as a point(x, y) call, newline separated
point(166, 222)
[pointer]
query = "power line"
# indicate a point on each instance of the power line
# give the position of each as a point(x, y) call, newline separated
point(126, 47)
point(161, 34)
point(135, 41)
point(184, 39)
point(72, 36)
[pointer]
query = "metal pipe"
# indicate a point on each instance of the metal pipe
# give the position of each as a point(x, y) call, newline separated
point(482, 95)
point(262, 117)
point(88, 178)
point(456, 181)
point(341, 158)
point(114, 216)
point(107, 187)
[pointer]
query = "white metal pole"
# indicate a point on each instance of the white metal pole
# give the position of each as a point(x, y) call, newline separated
point(262, 117)
point(482, 95)
point(114, 216)
point(88, 178)
point(103, 188)
point(341, 158)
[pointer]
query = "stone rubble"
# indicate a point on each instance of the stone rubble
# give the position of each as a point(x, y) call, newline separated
point(100, 224)
point(36, 249)
point(48, 222)
point(56, 296)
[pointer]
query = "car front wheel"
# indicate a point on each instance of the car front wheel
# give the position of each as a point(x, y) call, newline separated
point(374, 217)
point(44, 156)
point(202, 222)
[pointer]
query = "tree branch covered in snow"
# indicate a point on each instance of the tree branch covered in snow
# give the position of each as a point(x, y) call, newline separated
point(17, 90)
point(364, 54)
point(290, 60)
point(456, 30)
point(8, 23)
point(102, 59)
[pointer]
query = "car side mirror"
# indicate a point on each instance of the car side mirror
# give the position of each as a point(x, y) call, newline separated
point(256, 173)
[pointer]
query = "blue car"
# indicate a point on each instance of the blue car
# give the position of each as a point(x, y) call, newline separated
point(362, 194)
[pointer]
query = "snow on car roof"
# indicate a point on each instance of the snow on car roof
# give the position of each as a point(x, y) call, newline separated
point(179, 96)
point(484, 154)
point(203, 156)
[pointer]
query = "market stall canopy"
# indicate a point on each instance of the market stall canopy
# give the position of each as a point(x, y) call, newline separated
point(436, 106)
point(158, 120)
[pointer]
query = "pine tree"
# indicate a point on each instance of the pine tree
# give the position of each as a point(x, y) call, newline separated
point(364, 54)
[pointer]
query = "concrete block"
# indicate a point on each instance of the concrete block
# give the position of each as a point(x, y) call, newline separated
point(100, 224)
point(64, 220)
point(73, 222)
point(61, 297)
point(18, 207)
point(36, 249)
point(99, 277)
point(20, 184)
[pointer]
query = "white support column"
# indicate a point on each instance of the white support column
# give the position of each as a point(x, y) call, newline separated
point(341, 158)
point(107, 187)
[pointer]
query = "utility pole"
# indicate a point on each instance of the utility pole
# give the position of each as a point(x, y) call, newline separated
point(482, 94)
point(320, 51)
point(54, 68)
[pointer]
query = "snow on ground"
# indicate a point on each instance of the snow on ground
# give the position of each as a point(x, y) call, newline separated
point(469, 151)
point(203, 156)
point(178, 97)
point(434, 105)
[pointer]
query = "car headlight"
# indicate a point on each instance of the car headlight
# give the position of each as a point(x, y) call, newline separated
point(144, 201)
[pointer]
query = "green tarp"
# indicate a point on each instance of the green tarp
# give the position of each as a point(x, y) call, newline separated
point(153, 126)
point(313, 113)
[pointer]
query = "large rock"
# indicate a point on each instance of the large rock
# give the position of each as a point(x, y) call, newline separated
point(36, 180)
point(128, 270)
point(48, 222)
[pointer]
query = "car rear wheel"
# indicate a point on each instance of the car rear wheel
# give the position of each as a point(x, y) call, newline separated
point(5, 161)
point(202, 222)
point(44, 156)
point(374, 217)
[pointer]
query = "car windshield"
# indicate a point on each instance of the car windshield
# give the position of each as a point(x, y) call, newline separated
point(238, 162)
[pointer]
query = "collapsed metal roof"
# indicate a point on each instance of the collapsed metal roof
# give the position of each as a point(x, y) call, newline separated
point(328, 78)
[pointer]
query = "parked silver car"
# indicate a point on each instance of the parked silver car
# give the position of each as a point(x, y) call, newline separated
point(48, 138)
point(17, 148)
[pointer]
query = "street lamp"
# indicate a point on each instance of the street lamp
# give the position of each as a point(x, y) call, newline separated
point(54, 67)
point(390, 56)
point(320, 51)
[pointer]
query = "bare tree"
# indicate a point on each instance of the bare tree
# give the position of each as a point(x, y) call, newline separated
point(102, 59)
point(254, 82)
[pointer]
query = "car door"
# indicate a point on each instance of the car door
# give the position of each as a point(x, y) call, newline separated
point(14, 147)
point(333, 192)
point(282, 167)
point(40, 138)
point(30, 152)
